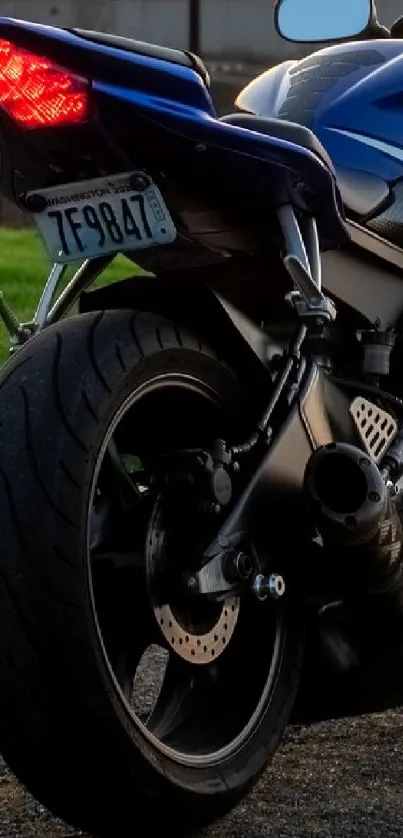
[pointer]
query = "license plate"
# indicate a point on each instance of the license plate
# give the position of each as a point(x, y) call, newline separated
point(98, 217)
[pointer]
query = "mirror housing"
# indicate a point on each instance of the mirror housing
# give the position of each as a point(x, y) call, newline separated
point(322, 21)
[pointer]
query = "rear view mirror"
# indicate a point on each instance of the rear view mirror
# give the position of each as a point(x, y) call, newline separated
point(322, 20)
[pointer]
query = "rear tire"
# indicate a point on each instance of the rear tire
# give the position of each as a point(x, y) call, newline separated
point(65, 728)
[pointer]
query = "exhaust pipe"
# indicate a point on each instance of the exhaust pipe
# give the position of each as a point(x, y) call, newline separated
point(361, 532)
point(347, 493)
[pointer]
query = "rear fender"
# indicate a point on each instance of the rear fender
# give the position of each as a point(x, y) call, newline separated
point(206, 313)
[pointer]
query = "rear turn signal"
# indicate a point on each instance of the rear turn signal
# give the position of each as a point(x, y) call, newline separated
point(38, 93)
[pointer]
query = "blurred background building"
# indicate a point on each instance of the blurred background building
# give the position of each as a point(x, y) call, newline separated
point(229, 29)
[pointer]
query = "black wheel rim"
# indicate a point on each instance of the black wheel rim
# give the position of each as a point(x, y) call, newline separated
point(197, 715)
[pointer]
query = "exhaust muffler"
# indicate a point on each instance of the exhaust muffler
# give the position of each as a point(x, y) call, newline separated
point(362, 537)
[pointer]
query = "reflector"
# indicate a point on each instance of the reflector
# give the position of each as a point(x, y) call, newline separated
point(38, 93)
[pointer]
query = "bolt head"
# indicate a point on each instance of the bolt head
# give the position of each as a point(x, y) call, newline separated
point(192, 585)
point(139, 183)
point(259, 587)
point(276, 586)
point(35, 203)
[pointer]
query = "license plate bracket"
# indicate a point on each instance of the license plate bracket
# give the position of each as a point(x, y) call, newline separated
point(101, 216)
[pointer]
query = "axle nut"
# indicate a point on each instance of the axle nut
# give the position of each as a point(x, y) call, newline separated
point(273, 586)
point(276, 586)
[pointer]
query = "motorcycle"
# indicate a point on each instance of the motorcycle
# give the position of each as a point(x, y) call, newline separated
point(201, 526)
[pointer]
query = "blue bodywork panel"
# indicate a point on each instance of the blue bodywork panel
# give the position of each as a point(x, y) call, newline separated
point(351, 97)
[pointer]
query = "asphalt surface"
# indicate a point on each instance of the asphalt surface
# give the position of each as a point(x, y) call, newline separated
point(334, 780)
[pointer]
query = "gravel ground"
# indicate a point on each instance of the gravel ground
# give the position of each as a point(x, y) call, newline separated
point(333, 780)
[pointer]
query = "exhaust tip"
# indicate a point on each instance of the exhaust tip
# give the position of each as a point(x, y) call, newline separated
point(344, 487)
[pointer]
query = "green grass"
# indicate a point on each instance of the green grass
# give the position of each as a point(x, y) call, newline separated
point(24, 267)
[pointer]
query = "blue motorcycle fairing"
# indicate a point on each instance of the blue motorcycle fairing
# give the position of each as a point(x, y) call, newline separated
point(349, 95)
point(169, 106)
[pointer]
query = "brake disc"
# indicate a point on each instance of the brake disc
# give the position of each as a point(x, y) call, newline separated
point(199, 638)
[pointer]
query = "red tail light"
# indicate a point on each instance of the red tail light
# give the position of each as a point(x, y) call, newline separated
point(38, 93)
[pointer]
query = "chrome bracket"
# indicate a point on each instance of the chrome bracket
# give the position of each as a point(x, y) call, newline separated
point(302, 260)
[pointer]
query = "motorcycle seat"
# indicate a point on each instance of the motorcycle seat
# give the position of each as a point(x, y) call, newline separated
point(174, 56)
point(282, 130)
